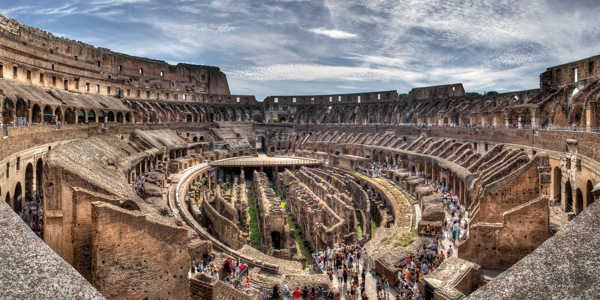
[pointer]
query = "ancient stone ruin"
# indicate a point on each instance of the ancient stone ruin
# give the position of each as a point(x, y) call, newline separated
point(129, 178)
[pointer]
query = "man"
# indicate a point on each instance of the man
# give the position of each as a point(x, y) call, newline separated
point(450, 251)
point(305, 293)
point(297, 293)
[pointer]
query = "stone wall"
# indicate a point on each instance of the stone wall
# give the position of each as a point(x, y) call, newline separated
point(137, 257)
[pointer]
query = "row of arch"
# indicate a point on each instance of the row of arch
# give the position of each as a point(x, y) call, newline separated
point(33, 183)
point(49, 114)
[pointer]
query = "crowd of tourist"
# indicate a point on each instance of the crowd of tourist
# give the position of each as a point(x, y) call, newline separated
point(375, 169)
point(33, 214)
point(233, 270)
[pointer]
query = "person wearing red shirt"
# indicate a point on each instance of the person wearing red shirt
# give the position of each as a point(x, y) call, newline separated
point(297, 293)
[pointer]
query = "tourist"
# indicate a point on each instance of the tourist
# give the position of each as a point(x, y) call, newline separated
point(305, 293)
point(297, 293)
point(312, 295)
point(286, 292)
point(275, 294)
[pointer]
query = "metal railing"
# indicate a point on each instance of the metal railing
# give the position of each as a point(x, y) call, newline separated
point(266, 163)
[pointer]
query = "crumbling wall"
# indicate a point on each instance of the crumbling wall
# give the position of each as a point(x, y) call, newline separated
point(137, 257)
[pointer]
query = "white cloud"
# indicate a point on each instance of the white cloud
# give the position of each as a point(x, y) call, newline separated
point(333, 33)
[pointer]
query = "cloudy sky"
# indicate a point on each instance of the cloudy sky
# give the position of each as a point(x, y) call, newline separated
point(281, 47)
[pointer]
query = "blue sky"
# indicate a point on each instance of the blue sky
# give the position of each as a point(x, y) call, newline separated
point(291, 47)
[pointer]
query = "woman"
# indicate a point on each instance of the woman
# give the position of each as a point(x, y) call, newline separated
point(276, 291)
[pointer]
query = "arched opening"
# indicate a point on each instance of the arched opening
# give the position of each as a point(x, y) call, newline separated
point(579, 199)
point(128, 117)
point(29, 181)
point(8, 199)
point(22, 111)
point(282, 120)
point(8, 111)
point(81, 116)
point(188, 118)
point(526, 118)
point(58, 114)
point(195, 139)
point(91, 116)
point(17, 199)
point(276, 238)
point(589, 198)
point(568, 197)
point(36, 114)
point(556, 178)
point(101, 116)
point(39, 172)
point(202, 138)
point(577, 114)
point(110, 117)
point(48, 114)
point(70, 117)
point(119, 117)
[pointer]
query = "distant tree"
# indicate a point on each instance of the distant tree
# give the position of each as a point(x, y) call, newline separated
point(474, 94)
point(492, 93)
point(402, 97)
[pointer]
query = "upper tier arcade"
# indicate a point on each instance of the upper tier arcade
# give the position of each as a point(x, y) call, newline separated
point(33, 56)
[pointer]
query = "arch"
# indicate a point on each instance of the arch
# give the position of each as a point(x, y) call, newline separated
point(589, 198)
point(58, 114)
point(21, 110)
point(18, 198)
point(119, 117)
point(39, 172)
point(128, 117)
point(91, 117)
point(556, 184)
point(282, 120)
point(110, 116)
point(577, 114)
point(47, 114)
point(29, 181)
point(579, 201)
point(568, 197)
point(36, 114)
point(8, 199)
point(70, 116)
point(188, 118)
point(8, 111)
point(81, 116)
point(526, 117)
point(195, 139)
point(101, 116)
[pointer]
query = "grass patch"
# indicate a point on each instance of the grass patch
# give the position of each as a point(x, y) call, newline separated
point(373, 227)
point(254, 232)
point(283, 205)
point(275, 191)
point(359, 229)
point(299, 239)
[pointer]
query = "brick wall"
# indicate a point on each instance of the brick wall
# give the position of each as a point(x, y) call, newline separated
point(137, 257)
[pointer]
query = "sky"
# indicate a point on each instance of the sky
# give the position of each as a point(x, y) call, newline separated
point(287, 47)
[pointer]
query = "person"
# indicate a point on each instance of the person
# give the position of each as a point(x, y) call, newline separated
point(305, 293)
point(313, 294)
point(450, 251)
point(378, 286)
point(297, 293)
point(275, 294)
point(285, 291)
point(321, 293)
point(386, 286)
point(331, 295)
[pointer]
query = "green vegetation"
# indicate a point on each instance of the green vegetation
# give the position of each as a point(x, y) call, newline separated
point(474, 94)
point(254, 233)
point(299, 239)
point(276, 192)
point(373, 227)
point(402, 97)
point(492, 93)
point(359, 229)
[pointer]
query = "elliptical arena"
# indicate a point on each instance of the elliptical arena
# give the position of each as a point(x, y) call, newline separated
point(119, 172)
